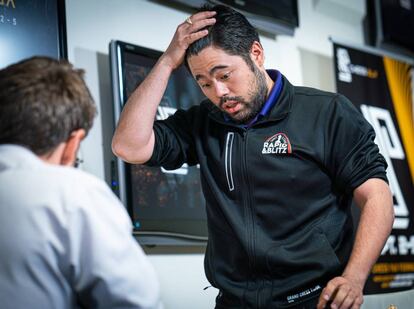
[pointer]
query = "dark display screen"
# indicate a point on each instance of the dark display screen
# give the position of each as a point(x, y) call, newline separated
point(285, 11)
point(398, 22)
point(29, 28)
point(160, 200)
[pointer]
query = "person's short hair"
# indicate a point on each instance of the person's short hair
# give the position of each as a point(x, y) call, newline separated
point(232, 32)
point(42, 101)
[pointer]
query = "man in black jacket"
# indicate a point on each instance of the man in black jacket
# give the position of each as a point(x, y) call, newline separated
point(279, 166)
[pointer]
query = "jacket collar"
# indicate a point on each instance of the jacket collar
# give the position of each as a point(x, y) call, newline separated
point(279, 111)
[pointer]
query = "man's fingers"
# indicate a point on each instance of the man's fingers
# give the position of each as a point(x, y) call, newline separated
point(189, 33)
point(348, 301)
point(352, 301)
point(342, 293)
point(193, 34)
point(196, 36)
point(330, 289)
point(201, 24)
point(323, 299)
point(339, 293)
point(329, 292)
point(197, 21)
point(202, 15)
point(357, 303)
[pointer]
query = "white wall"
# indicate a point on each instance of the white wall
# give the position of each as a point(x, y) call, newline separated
point(91, 24)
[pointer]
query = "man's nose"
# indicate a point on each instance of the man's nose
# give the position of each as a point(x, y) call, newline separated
point(221, 90)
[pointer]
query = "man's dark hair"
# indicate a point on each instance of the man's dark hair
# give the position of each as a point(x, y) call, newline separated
point(232, 32)
point(42, 101)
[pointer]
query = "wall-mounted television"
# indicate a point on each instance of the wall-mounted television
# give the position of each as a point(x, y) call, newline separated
point(389, 25)
point(166, 207)
point(32, 27)
point(275, 17)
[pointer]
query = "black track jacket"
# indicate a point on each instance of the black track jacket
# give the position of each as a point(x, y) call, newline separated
point(278, 194)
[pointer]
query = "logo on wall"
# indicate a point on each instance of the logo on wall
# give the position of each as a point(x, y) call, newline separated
point(346, 68)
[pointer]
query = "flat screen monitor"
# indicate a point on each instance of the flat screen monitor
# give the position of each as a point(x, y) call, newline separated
point(389, 25)
point(281, 11)
point(398, 22)
point(32, 28)
point(166, 207)
point(272, 17)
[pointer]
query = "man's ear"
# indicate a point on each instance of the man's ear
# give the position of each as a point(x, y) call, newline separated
point(257, 54)
point(71, 147)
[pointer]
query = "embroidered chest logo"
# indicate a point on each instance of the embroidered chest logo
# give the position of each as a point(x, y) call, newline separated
point(277, 144)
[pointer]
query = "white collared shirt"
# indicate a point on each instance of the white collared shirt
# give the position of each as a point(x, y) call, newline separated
point(65, 240)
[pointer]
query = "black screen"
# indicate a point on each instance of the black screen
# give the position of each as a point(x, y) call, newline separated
point(269, 16)
point(398, 22)
point(160, 200)
point(285, 11)
point(31, 27)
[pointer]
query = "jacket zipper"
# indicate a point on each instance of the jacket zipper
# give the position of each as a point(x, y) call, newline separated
point(248, 209)
point(227, 160)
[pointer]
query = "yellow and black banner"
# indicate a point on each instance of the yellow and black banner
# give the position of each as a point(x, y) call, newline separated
point(382, 89)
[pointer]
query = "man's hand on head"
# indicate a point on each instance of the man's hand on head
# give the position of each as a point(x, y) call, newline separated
point(341, 293)
point(187, 33)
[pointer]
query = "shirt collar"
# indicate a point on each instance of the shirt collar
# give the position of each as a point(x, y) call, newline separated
point(273, 96)
point(16, 156)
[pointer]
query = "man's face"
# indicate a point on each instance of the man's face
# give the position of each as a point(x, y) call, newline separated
point(229, 82)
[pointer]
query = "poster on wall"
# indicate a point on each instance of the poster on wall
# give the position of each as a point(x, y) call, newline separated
point(382, 89)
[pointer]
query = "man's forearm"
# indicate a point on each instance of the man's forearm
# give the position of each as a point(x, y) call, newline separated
point(377, 216)
point(375, 224)
point(133, 139)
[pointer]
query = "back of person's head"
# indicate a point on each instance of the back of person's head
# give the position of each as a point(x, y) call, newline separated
point(42, 101)
point(232, 32)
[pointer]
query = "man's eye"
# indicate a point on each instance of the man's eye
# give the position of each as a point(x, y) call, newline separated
point(205, 86)
point(225, 76)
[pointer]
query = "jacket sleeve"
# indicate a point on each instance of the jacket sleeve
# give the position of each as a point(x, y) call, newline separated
point(351, 155)
point(174, 141)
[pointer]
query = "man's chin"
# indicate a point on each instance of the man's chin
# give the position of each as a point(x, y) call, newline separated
point(240, 118)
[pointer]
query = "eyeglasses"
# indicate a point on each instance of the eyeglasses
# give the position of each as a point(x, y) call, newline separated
point(77, 162)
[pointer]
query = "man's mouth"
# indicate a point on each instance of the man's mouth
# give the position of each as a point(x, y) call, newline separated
point(231, 107)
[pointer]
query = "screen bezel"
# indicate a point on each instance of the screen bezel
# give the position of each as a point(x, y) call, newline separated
point(62, 39)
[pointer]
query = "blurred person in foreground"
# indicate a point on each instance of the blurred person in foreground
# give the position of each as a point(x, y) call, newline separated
point(65, 239)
